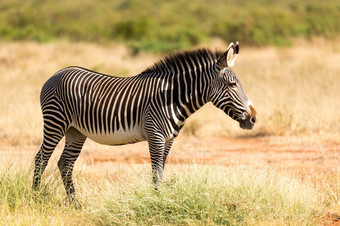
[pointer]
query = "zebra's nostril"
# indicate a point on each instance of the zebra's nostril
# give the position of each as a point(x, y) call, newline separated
point(253, 120)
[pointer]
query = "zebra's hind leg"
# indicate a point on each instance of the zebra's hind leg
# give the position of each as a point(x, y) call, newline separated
point(50, 141)
point(73, 145)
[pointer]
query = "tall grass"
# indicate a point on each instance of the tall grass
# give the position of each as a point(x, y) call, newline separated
point(202, 195)
point(21, 206)
point(192, 195)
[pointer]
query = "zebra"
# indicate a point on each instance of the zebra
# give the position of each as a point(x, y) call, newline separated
point(152, 106)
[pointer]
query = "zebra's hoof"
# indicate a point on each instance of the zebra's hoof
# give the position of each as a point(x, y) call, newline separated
point(77, 205)
point(75, 202)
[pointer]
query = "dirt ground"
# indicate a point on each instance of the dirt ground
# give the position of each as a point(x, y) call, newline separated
point(229, 151)
point(302, 158)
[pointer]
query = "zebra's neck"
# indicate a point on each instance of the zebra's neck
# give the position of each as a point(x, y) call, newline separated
point(193, 90)
point(185, 80)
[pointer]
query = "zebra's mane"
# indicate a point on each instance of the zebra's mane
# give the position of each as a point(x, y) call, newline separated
point(193, 57)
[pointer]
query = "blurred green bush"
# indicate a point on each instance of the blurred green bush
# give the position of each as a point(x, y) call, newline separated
point(161, 26)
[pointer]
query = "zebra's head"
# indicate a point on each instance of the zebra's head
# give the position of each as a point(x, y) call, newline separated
point(227, 92)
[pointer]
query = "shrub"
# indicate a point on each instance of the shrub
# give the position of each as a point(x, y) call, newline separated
point(175, 24)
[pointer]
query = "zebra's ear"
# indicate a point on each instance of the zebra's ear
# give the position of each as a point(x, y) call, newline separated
point(229, 57)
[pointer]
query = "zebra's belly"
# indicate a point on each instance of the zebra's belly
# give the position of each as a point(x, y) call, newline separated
point(119, 137)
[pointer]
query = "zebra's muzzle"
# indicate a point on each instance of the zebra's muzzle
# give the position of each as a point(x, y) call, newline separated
point(247, 121)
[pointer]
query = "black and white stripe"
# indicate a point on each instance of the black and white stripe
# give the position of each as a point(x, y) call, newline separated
point(78, 103)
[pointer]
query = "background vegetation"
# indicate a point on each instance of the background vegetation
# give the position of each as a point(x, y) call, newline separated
point(160, 25)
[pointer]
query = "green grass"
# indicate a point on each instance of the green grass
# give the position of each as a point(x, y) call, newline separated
point(162, 26)
point(191, 194)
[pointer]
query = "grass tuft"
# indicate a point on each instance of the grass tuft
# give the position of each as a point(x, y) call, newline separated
point(208, 195)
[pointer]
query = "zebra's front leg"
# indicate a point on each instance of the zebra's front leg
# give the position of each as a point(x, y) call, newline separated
point(167, 148)
point(156, 148)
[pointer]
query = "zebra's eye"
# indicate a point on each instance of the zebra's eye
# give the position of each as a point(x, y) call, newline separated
point(232, 84)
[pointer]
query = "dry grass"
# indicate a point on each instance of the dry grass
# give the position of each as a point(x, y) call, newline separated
point(295, 90)
point(194, 194)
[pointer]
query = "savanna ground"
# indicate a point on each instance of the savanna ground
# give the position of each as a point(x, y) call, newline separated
point(285, 171)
